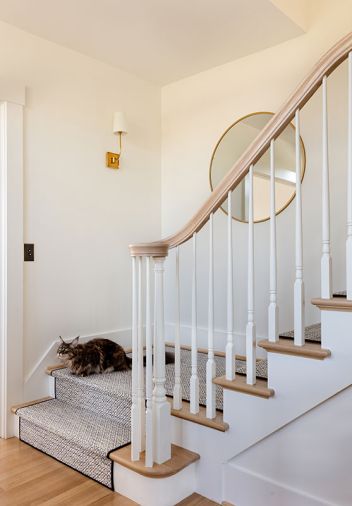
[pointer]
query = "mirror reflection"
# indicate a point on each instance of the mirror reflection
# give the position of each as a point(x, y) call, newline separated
point(231, 146)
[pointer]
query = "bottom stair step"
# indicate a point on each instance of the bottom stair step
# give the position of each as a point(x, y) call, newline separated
point(77, 437)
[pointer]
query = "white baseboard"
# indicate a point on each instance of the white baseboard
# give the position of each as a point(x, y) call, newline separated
point(36, 382)
point(220, 337)
point(245, 488)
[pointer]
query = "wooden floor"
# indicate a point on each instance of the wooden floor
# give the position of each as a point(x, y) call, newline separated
point(30, 478)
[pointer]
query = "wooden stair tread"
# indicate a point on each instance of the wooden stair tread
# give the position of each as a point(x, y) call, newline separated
point(334, 304)
point(239, 384)
point(15, 408)
point(287, 347)
point(51, 368)
point(216, 423)
point(180, 458)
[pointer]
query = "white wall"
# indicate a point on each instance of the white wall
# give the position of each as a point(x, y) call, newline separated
point(195, 113)
point(80, 215)
point(307, 462)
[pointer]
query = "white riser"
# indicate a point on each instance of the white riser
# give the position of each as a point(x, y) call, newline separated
point(155, 491)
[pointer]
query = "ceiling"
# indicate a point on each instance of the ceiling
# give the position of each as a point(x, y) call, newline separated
point(159, 40)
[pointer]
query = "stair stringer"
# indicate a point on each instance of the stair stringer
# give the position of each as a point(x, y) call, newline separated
point(306, 463)
point(300, 384)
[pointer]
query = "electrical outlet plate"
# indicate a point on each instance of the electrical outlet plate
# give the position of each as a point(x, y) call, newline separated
point(29, 252)
point(112, 160)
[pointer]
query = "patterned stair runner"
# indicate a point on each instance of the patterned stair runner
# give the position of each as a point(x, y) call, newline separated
point(90, 417)
point(342, 294)
point(312, 333)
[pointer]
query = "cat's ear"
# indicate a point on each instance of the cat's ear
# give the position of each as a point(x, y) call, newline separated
point(75, 341)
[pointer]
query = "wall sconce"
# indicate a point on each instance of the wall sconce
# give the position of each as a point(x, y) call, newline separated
point(119, 128)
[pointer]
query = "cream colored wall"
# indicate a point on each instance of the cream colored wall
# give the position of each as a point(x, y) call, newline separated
point(195, 113)
point(80, 215)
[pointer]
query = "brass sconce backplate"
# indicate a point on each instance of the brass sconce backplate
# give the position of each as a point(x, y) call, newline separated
point(112, 160)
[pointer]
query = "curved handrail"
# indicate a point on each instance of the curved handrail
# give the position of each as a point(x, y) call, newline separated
point(325, 66)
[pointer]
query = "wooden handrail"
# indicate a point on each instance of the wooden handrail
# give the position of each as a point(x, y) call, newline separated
point(325, 66)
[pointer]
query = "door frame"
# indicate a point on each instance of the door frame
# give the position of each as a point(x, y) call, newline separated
point(12, 101)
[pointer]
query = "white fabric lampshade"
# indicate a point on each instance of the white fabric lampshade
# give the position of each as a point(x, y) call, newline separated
point(120, 124)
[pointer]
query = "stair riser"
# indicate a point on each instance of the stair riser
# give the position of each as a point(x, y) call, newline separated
point(91, 465)
point(115, 408)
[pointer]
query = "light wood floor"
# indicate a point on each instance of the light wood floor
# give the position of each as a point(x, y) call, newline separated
point(30, 478)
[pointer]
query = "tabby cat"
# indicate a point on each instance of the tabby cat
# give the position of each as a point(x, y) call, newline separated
point(97, 356)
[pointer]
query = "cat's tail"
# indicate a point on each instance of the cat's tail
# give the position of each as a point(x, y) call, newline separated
point(169, 358)
point(129, 362)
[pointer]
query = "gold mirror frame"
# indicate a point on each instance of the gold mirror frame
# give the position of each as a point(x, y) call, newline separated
point(217, 145)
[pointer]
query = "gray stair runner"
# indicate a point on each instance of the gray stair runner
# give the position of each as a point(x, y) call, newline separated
point(90, 417)
point(312, 333)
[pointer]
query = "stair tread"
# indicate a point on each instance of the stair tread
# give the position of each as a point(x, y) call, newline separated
point(114, 383)
point(287, 347)
point(200, 418)
point(92, 432)
point(333, 304)
point(239, 384)
point(180, 458)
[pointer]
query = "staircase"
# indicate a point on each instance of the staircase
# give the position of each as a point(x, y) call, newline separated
point(182, 423)
point(90, 417)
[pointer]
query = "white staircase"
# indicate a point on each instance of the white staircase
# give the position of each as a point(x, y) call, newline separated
point(300, 375)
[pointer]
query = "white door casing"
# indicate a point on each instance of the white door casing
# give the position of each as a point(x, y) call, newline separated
point(12, 99)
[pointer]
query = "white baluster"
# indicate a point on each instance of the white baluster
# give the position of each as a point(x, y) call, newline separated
point(140, 389)
point(349, 186)
point(135, 444)
point(273, 312)
point(251, 329)
point(149, 371)
point(177, 393)
point(161, 407)
point(326, 257)
point(299, 297)
point(211, 365)
point(194, 382)
point(230, 352)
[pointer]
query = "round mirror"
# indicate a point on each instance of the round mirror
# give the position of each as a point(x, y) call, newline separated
point(231, 146)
